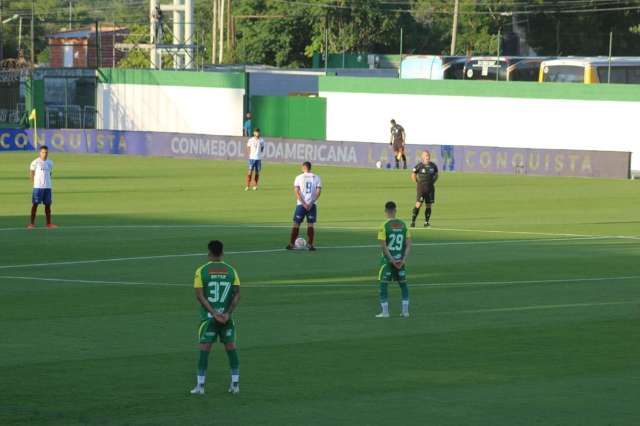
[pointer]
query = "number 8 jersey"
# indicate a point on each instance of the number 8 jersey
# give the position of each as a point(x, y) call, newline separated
point(216, 279)
point(394, 233)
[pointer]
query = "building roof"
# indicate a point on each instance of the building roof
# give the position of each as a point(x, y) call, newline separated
point(86, 32)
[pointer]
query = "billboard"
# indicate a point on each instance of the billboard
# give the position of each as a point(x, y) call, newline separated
point(456, 158)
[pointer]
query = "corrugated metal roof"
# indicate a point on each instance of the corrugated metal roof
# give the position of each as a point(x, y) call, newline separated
point(72, 34)
point(85, 33)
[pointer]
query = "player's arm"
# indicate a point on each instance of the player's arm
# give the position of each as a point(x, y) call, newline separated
point(317, 194)
point(414, 176)
point(234, 301)
point(402, 135)
point(299, 197)
point(435, 175)
point(407, 249)
point(387, 254)
point(248, 148)
point(204, 302)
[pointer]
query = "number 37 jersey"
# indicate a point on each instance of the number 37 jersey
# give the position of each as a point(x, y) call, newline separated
point(394, 233)
point(216, 279)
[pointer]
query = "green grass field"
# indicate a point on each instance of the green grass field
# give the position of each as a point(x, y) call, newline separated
point(525, 299)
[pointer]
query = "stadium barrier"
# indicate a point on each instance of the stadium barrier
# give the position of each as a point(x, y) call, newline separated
point(542, 162)
point(483, 113)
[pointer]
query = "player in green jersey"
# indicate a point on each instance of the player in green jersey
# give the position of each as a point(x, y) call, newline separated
point(217, 288)
point(395, 240)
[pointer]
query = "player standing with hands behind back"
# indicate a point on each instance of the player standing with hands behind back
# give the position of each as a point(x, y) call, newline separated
point(255, 149)
point(308, 187)
point(40, 174)
point(395, 241)
point(425, 175)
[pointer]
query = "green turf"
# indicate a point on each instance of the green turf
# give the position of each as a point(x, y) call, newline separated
point(525, 299)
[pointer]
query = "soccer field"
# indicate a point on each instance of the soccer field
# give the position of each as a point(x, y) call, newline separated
point(525, 299)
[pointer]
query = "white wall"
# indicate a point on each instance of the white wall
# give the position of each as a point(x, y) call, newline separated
point(206, 110)
point(486, 121)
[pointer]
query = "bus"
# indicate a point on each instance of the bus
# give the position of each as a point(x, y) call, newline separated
point(507, 68)
point(624, 70)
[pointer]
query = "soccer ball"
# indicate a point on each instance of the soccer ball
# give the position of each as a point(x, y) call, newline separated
point(300, 243)
point(379, 164)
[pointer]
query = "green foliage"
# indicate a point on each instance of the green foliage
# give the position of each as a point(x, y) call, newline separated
point(287, 33)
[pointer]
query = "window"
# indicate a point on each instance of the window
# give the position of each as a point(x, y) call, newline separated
point(563, 73)
point(68, 56)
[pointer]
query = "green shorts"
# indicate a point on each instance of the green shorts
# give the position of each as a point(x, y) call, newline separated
point(390, 273)
point(210, 330)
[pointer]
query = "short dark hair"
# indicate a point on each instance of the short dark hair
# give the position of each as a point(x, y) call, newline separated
point(257, 129)
point(307, 164)
point(46, 148)
point(389, 206)
point(393, 121)
point(215, 248)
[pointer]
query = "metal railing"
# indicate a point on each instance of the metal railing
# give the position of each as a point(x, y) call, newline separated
point(70, 117)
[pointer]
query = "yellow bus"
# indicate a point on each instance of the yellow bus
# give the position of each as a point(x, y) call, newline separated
point(624, 70)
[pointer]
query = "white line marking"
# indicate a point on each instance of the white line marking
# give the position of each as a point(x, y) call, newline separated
point(287, 226)
point(536, 307)
point(66, 280)
point(337, 285)
point(377, 246)
point(465, 311)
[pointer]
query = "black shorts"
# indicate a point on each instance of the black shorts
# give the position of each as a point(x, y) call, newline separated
point(426, 195)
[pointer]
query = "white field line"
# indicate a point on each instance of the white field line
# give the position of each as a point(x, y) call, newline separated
point(459, 312)
point(334, 285)
point(537, 307)
point(363, 246)
point(287, 226)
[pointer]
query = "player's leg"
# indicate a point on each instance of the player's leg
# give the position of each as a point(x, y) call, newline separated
point(416, 210)
point(256, 173)
point(404, 290)
point(384, 276)
point(430, 199)
point(48, 200)
point(397, 155)
point(206, 336)
point(250, 163)
point(298, 217)
point(234, 366)
point(228, 339)
point(311, 220)
point(36, 199)
point(404, 158)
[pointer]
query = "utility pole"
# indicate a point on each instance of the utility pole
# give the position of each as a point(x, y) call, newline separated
point(221, 47)
point(33, 37)
point(214, 33)
point(1, 41)
point(228, 24)
point(69, 14)
point(454, 27)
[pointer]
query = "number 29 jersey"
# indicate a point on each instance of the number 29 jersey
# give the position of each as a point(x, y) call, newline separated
point(394, 233)
point(216, 279)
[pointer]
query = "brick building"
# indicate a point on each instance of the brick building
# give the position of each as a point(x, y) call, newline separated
point(79, 48)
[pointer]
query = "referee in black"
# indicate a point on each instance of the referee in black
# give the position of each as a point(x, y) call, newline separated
point(425, 175)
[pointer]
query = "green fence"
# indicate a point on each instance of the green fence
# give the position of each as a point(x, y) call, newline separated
point(295, 117)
